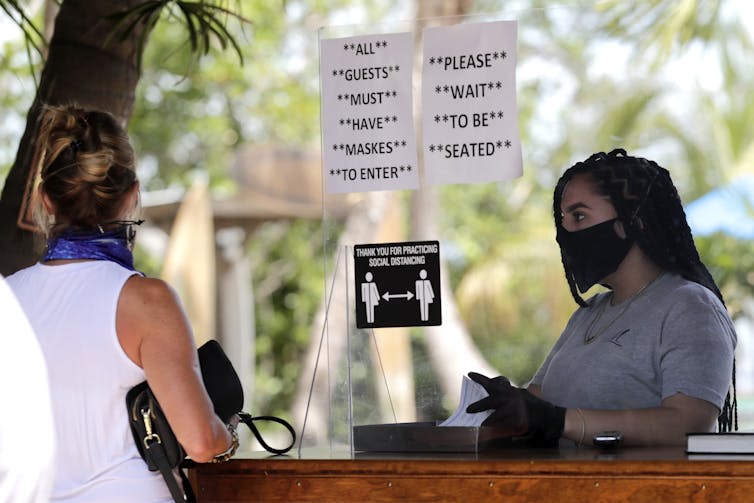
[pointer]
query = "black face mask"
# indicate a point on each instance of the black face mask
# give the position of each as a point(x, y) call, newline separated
point(593, 253)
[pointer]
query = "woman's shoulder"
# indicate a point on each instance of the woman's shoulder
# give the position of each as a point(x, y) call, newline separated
point(686, 299)
point(679, 288)
point(148, 291)
point(147, 307)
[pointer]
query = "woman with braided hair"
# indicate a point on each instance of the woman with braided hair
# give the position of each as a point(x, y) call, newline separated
point(653, 356)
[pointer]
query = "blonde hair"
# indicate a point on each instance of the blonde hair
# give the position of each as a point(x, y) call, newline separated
point(86, 167)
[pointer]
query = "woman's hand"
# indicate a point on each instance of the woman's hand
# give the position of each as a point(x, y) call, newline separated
point(518, 411)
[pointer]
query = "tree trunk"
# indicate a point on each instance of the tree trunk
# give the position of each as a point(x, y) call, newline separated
point(79, 69)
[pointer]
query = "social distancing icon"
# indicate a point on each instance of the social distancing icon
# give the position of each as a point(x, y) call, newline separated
point(370, 296)
point(397, 284)
point(424, 294)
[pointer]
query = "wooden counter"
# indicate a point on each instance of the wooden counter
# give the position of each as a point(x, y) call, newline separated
point(564, 475)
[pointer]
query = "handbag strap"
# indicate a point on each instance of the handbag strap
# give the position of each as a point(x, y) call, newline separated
point(156, 451)
point(248, 420)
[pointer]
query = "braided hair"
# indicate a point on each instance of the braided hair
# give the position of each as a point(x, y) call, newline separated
point(650, 209)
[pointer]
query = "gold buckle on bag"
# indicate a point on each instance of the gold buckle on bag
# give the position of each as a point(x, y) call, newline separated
point(146, 415)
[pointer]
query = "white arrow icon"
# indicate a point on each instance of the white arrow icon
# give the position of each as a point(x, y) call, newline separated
point(408, 296)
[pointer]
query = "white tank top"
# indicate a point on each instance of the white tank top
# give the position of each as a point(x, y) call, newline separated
point(72, 310)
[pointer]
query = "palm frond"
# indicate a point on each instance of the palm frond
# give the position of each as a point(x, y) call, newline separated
point(192, 29)
point(205, 20)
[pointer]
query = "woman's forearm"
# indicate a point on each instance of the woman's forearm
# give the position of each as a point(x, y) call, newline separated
point(664, 425)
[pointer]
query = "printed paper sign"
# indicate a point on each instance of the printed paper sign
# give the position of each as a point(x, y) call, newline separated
point(367, 118)
point(470, 117)
point(397, 284)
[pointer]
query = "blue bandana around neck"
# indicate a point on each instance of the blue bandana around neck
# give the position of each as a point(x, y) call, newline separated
point(93, 244)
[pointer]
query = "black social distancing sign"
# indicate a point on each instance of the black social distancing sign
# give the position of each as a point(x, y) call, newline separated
point(397, 284)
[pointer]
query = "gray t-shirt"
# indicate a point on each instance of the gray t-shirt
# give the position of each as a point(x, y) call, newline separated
point(673, 337)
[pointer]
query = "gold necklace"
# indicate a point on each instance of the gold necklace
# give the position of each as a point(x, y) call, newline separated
point(588, 337)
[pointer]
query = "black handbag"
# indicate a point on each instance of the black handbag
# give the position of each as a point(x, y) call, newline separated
point(156, 441)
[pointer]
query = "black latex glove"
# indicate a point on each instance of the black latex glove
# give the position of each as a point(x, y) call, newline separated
point(518, 411)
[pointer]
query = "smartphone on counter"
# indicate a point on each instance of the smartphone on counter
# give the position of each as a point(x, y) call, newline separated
point(607, 439)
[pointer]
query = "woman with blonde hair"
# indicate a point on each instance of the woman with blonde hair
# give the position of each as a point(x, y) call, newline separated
point(103, 327)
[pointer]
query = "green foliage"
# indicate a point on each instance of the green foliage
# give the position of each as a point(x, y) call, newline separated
point(18, 87)
point(515, 307)
point(288, 283)
point(731, 262)
point(21, 59)
point(511, 293)
point(665, 28)
point(218, 105)
point(33, 39)
point(181, 126)
point(494, 214)
point(147, 263)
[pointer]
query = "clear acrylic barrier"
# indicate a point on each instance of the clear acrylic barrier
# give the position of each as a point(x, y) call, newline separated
point(381, 375)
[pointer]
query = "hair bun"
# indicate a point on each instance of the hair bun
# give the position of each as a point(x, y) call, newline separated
point(86, 165)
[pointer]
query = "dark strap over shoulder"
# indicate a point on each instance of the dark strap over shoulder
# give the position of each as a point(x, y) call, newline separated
point(156, 452)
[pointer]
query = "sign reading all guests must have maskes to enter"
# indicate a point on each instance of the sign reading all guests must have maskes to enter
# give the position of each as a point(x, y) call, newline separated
point(368, 137)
